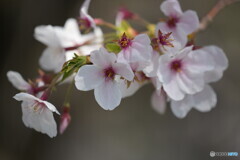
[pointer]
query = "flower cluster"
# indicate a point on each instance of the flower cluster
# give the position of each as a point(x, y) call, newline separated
point(115, 65)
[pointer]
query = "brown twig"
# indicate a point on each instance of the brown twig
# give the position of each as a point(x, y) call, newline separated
point(213, 12)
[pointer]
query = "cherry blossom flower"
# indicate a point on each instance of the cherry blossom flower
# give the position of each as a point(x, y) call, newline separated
point(183, 72)
point(101, 77)
point(63, 42)
point(202, 101)
point(38, 114)
point(179, 23)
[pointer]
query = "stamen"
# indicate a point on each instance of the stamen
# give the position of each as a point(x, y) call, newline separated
point(109, 73)
point(124, 42)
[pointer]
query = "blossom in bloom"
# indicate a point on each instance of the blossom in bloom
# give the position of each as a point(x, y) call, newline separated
point(63, 42)
point(65, 120)
point(37, 114)
point(101, 77)
point(202, 101)
point(183, 72)
point(179, 23)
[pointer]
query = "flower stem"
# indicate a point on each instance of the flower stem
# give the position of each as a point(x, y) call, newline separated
point(213, 12)
point(68, 94)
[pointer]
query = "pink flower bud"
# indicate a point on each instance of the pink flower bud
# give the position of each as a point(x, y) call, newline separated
point(65, 120)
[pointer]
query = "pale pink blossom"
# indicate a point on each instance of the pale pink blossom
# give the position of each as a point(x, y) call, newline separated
point(179, 23)
point(202, 101)
point(38, 114)
point(63, 42)
point(183, 72)
point(101, 77)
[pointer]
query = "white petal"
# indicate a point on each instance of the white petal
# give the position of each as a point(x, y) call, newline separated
point(71, 26)
point(221, 63)
point(124, 70)
point(181, 108)
point(180, 36)
point(47, 35)
point(50, 106)
point(158, 102)
point(108, 95)
point(28, 98)
point(205, 100)
point(103, 58)
point(89, 77)
point(164, 73)
point(25, 97)
point(52, 59)
point(152, 69)
point(17, 81)
point(199, 61)
point(40, 121)
point(189, 22)
point(190, 83)
point(142, 39)
point(172, 89)
point(171, 8)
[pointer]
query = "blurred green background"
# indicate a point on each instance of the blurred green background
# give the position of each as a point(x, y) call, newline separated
point(133, 131)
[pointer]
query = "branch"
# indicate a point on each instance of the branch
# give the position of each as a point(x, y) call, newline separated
point(213, 12)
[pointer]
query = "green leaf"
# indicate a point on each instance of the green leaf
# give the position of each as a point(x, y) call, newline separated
point(73, 66)
point(113, 47)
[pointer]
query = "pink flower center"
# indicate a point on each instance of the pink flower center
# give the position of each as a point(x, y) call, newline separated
point(84, 23)
point(172, 22)
point(176, 65)
point(109, 73)
point(124, 42)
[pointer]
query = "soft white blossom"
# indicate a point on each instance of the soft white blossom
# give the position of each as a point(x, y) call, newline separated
point(183, 72)
point(179, 23)
point(63, 42)
point(101, 77)
point(38, 114)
